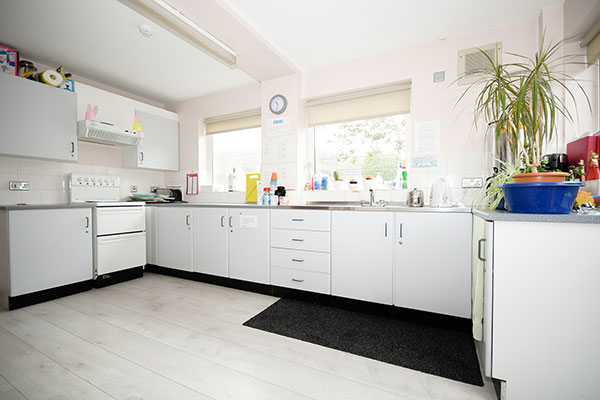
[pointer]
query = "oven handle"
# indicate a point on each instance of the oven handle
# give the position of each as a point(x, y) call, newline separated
point(120, 210)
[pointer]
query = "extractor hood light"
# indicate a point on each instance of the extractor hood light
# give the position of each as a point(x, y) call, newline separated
point(177, 23)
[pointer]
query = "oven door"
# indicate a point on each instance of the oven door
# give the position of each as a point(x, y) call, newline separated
point(119, 252)
point(111, 220)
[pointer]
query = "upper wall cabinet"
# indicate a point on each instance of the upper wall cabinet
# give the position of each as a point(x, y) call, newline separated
point(37, 120)
point(159, 148)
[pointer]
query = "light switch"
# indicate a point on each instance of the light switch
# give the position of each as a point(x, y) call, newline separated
point(471, 183)
point(19, 186)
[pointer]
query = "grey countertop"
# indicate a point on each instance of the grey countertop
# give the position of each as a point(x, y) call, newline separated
point(323, 206)
point(12, 207)
point(573, 217)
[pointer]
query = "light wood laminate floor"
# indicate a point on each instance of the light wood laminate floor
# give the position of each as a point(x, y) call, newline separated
point(166, 338)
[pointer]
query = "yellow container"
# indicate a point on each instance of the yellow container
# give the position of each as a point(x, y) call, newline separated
point(252, 187)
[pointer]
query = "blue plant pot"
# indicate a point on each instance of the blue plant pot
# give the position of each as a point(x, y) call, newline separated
point(540, 197)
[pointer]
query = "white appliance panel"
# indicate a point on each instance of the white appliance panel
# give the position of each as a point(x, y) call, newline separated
point(119, 252)
point(112, 220)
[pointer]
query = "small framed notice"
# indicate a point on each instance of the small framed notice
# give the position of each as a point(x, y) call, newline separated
point(191, 186)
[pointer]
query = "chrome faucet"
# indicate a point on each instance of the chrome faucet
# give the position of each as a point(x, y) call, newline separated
point(371, 197)
point(372, 202)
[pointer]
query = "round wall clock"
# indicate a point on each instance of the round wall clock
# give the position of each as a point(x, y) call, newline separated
point(278, 104)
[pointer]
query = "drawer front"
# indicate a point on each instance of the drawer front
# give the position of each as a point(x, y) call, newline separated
point(118, 252)
point(301, 259)
point(110, 220)
point(300, 240)
point(312, 220)
point(303, 280)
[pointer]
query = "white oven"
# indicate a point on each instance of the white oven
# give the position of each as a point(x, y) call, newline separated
point(119, 228)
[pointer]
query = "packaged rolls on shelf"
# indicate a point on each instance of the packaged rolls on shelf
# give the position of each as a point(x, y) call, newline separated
point(49, 77)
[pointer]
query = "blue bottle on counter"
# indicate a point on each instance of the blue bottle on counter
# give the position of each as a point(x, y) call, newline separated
point(324, 183)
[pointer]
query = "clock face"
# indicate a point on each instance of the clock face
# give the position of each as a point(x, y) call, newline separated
point(278, 104)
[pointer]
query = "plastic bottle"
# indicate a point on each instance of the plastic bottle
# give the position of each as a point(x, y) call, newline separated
point(593, 173)
point(324, 182)
point(404, 178)
point(398, 179)
point(266, 198)
point(273, 182)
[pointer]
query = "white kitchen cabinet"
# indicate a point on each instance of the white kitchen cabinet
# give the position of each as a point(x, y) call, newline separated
point(232, 242)
point(249, 244)
point(44, 249)
point(362, 255)
point(300, 249)
point(159, 148)
point(37, 120)
point(433, 262)
point(211, 241)
point(174, 237)
point(151, 235)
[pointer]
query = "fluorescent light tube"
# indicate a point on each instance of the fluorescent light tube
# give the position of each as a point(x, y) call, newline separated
point(169, 18)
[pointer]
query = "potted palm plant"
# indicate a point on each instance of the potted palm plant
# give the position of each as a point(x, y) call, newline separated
point(522, 101)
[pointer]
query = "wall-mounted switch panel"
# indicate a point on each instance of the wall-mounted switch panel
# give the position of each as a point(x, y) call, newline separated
point(19, 186)
point(133, 188)
point(471, 183)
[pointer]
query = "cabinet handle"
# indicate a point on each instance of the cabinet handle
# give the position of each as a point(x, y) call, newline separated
point(187, 220)
point(297, 260)
point(222, 221)
point(479, 242)
point(400, 230)
point(298, 219)
point(231, 221)
point(297, 280)
point(141, 156)
point(87, 222)
point(297, 240)
point(72, 147)
point(386, 229)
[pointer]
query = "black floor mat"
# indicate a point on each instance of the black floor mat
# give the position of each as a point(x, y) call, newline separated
point(408, 342)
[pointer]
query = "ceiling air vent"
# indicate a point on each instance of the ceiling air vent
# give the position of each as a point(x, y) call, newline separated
point(471, 62)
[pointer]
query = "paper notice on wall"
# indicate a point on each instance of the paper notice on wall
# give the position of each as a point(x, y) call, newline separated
point(287, 175)
point(279, 126)
point(270, 150)
point(287, 149)
point(427, 144)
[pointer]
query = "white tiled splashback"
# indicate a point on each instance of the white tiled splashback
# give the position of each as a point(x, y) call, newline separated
point(49, 180)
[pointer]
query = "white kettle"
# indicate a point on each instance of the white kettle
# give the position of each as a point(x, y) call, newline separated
point(441, 195)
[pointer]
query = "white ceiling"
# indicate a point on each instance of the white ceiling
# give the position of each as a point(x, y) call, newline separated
point(99, 40)
point(318, 33)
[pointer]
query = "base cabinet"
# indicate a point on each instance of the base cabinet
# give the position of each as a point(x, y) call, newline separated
point(433, 262)
point(174, 237)
point(44, 249)
point(232, 242)
point(362, 255)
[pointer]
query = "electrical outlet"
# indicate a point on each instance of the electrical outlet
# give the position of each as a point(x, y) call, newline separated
point(472, 183)
point(133, 188)
point(19, 186)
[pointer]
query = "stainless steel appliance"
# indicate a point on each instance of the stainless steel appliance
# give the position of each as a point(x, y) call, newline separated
point(415, 198)
point(119, 228)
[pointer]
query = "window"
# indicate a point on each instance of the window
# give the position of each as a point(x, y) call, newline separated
point(361, 134)
point(357, 149)
point(235, 149)
point(236, 143)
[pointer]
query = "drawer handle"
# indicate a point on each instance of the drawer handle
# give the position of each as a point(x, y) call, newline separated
point(298, 219)
point(297, 240)
point(297, 280)
point(297, 260)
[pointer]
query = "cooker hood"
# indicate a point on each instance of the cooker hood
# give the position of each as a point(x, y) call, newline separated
point(104, 132)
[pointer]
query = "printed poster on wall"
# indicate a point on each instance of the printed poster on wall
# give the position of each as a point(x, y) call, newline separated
point(427, 144)
point(279, 126)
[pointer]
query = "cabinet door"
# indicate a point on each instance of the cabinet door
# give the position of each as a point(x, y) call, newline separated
point(433, 262)
point(174, 237)
point(249, 245)
point(151, 235)
point(160, 147)
point(49, 248)
point(37, 120)
point(361, 255)
point(210, 241)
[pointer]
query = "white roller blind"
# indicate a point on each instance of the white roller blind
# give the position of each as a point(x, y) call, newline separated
point(371, 103)
point(233, 122)
point(592, 43)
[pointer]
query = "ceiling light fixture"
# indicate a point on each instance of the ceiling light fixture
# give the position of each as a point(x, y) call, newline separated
point(169, 18)
point(145, 30)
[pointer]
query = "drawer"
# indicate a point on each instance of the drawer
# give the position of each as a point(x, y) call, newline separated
point(111, 220)
point(301, 259)
point(300, 240)
point(303, 280)
point(118, 252)
point(312, 220)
